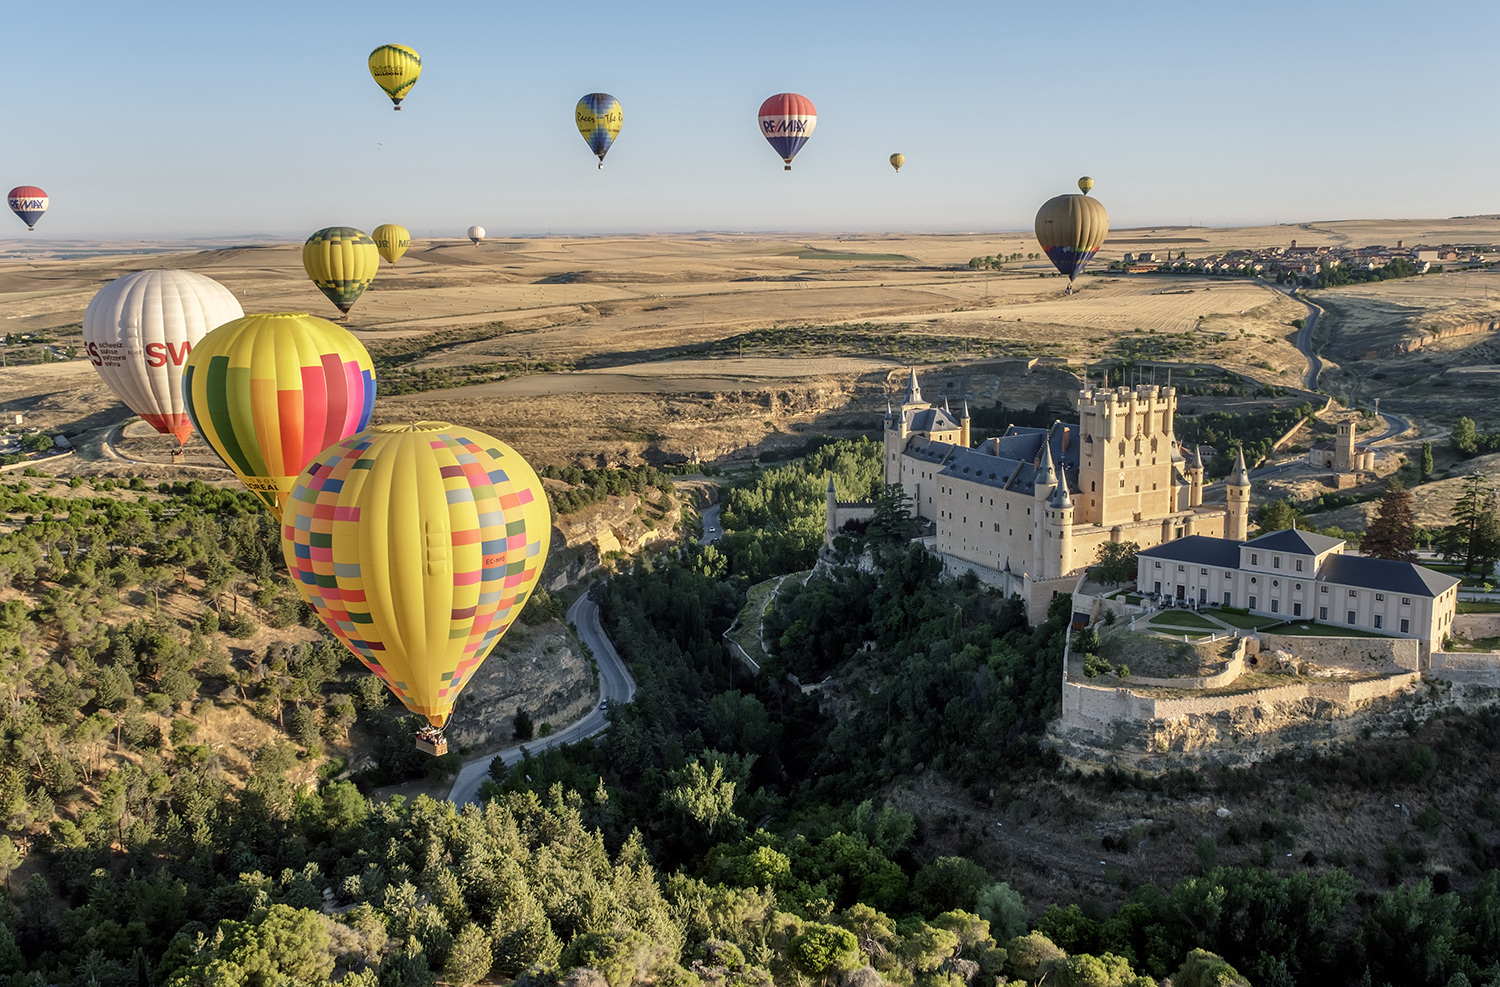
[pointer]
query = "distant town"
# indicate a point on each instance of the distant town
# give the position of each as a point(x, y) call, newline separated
point(1306, 263)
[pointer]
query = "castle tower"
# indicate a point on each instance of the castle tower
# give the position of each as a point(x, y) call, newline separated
point(1046, 483)
point(1125, 454)
point(1057, 541)
point(1343, 449)
point(964, 436)
point(1237, 524)
point(1195, 478)
point(833, 513)
point(913, 400)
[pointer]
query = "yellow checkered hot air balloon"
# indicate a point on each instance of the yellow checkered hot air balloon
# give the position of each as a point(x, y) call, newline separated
point(269, 392)
point(599, 118)
point(341, 261)
point(391, 240)
point(418, 545)
point(396, 69)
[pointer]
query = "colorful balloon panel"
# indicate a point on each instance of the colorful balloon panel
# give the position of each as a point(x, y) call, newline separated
point(599, 117)
point(395, 69)
point(341, 261)
point(787, 121)
point(418, 545)
point(475, 233)
point(28, 202)
point(269, 392)
point(897, 160)
point(138, 332)
point(391, 240)
point(1071, 229)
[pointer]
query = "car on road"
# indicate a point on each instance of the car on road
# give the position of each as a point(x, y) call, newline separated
point(604, 705)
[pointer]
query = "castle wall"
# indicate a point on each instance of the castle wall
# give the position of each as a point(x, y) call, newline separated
point(1356, 653)
point(1473, 626)
point(1467, 667)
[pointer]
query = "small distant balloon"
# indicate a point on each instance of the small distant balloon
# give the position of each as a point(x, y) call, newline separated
point(786, 122)
point(396, 69)
point(476, 233)
point(1085, 184)
point(599, 116)
point(391, 240)
point(897, 160)
point(28, 202)
point(341, 261)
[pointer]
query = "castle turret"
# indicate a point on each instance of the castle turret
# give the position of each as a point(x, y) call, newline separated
point(913, 397)
point(1344, 459)
point(1057, 543)
point(964, 434)
point(833, 513)
point(1195, 478)
point(1237, 524)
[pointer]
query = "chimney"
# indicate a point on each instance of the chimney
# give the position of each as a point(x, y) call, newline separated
point(1294, 244)
point(1400, 244)
point(1067, 437)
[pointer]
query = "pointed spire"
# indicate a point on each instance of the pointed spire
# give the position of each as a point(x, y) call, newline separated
point(946, 408)
point(913, 389)
point(1060, 498)
point(830, 483)
point(1197, 460)
point(965, 416)
point(1241, 476)
point(887, 409)
point(1007, 564)
point(1044, 474)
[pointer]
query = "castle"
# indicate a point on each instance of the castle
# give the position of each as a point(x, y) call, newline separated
point(1026, 511)
point(1343, 455)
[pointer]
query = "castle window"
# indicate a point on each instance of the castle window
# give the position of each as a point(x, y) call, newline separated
point(1379, 621)
point(1153, 463)
point(1406, 601)
point(1379, 597)
point(1091, 486)
point(1137, 488)
point(1405, 626)
point(1299, 565)
point(1322, 589)
point(1182, 568)
point(1275, 582)
point(1296, 609)
point(1158, 565)
point(1254, 559)
point(1298, 586)
point(1091, 502)
point(1276, 606)
point(1276, 562)
point(1353, 592)
point(1252, 604)
point(1202, 572)
point(1351, 617)
point(1252, 580)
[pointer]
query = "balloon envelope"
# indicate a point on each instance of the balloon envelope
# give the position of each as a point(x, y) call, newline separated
point(418, 545)
point(341, 261)
point(391, 240)
point(897, 160)
point(270, 391)
point(28, 202)
point(1085, 185)
point(138, 332)
point(1071, 229)
point(599, 116)
point(787, 121)
point(475, 233)
point(396, 69)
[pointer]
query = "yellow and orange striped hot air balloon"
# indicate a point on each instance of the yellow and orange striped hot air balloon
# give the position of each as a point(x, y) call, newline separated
point(269, 392)
point(418, 545)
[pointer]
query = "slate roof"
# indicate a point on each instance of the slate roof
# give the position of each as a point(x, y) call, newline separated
point(1386, 575)
point(931, 420)
point(1007, 462)
point(1295, 541)
point(1223, 553)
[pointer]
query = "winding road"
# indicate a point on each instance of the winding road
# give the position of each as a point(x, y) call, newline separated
point(1305, 342)
point(615, 686)
point(712, 532)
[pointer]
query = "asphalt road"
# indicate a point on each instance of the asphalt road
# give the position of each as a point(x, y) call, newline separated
point(712, 531)
point(1305, 344)
point(615, 686)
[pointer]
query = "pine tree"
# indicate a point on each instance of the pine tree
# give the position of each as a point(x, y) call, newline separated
point(1426, 461)
point(1392, 532)
point(1474, 535)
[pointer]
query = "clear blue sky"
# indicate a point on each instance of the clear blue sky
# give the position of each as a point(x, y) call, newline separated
point(205, 119)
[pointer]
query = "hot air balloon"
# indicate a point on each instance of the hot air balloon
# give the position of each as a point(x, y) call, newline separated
point(1071, 229)
point(396, 69)
point(391, 240)
point(475, 233)
point(138, 332)
point(269, 392)
point(1085, 185)
point(897, 160)
point(341, 261)
point(599, 116)
point(28, 202)
point(787, 121)
point(418, 545)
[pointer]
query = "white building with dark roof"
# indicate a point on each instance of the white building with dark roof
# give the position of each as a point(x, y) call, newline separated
point(1027, 511)
point(1301, 575)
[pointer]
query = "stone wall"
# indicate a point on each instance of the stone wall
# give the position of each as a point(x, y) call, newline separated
point(1232, 670)
point(1355, 653)
point(1476, 667)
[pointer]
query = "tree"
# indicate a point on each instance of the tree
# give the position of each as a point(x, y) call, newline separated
point(1474, 535)
point(824, 950)
point(948, 883)
point(1116, 562)
point(1393, 530)
point(1464, 439)
point(1004, 908)
point(1277, 515)
point(524, 728)
point(1426, 467)
point(10, 858)
point(1204, 969)
point(892, 518)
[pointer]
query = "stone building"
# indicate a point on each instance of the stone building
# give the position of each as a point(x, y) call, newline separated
point(1343, 454)
point(1302, 575)
point(1027, 510)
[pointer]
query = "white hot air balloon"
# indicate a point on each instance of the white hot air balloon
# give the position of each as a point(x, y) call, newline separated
point(476, 233)
point(138, 331)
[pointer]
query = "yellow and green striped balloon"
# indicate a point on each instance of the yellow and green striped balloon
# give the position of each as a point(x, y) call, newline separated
point(396, 69)
point(269, 392)
point(341, 261)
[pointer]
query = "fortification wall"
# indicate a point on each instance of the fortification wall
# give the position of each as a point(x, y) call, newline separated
point(1473, 626)
point(1233, 669)
point(1360, 654)
point(1468, 667)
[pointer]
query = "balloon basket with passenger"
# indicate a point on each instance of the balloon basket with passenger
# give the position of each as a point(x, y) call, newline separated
point(430, 740)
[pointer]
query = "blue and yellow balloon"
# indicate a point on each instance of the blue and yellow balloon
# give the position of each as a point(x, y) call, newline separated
point(598, 116)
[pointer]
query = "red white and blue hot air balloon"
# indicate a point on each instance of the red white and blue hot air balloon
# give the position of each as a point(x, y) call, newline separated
point(787, 121)
point(28, 202)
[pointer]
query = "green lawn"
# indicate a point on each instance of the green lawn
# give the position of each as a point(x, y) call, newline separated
point(1322, 630)
point(1246, 622)
point(1173, 618)
point(1465, 606)
point(1480, 644)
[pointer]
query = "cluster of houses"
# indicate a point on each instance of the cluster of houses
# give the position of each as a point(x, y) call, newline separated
point(1308, 261)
